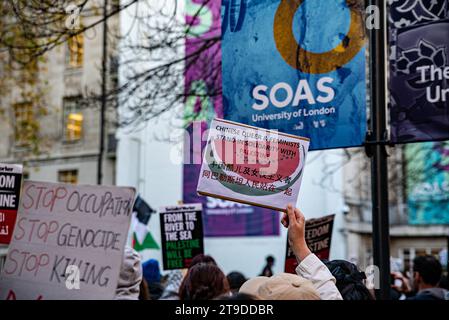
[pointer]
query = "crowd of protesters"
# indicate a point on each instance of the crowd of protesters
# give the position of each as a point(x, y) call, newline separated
point(314, 279)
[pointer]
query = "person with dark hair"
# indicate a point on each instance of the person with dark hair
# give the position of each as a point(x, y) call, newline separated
point(202, 258)
point(235, 279)
point(203, 281)
point(267, 270)
point(310, 267)
point(349, 280)
point(427, 272)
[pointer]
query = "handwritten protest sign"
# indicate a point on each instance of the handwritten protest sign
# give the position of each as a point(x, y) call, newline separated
point(68, 242)
point(252, 165)
point(318, 238)
point(182, 235)
point(10, 183)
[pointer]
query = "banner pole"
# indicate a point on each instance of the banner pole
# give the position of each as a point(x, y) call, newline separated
point(379, 169)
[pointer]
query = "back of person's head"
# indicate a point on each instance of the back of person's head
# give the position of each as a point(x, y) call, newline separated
point(202, 258)
point(203, 281)
point(270, 259)
point(349, 280)
point(235, 279)
point(283, 286)
point(429, 269)
point(151, 271)
point(128, 287)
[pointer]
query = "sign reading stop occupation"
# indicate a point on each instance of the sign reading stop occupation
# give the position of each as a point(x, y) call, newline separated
point(251, 165)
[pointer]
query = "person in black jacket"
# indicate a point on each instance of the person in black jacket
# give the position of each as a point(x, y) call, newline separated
point(427, 272)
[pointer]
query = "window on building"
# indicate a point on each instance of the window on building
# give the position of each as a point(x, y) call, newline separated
point(2, 262)
point(73, 119)
point(75, 51)
point(68, 176)
point(115, 5)
point(24, 123)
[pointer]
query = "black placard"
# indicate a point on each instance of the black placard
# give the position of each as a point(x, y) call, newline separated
point(10, 184)
point(181, 235)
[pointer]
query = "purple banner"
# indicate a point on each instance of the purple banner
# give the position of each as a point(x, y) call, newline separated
point(419, 70)
point(203, 83)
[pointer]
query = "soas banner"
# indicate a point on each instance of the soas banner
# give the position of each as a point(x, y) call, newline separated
point(296, 66)
point(428, 182)
point(419, 70)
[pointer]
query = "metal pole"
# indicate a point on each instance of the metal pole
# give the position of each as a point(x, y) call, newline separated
point(103, 94)
point(379, 169)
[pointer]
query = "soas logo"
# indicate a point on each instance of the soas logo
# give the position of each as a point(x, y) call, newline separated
point(310, 62)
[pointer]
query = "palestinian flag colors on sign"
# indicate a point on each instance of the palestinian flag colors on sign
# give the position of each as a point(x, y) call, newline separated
point(142, 238)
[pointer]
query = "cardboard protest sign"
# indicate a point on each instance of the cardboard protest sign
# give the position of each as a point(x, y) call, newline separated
point(318, 238)
point(68, 242)
point(297, 66)
point(10, 184)
point(182, 235)
point(252, 165)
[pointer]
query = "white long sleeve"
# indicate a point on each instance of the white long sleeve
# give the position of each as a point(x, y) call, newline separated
point(311, 268)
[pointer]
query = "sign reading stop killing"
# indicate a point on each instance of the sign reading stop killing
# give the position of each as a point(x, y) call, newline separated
point(318, 237)
point(251, 165)
point(182, 235)
point(68, 242)
point(10, 183)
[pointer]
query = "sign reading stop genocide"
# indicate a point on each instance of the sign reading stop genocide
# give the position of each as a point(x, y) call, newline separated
point(251, 165)
point(68, 242)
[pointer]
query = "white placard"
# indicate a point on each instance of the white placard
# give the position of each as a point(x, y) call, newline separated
point(68, 242)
